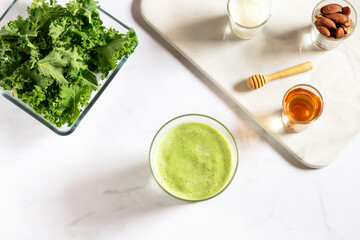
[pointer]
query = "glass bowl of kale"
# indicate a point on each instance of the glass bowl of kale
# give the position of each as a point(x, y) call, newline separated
point(57, 57)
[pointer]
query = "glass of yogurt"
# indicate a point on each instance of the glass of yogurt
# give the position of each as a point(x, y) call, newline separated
point(248, 17)
point(193, 157)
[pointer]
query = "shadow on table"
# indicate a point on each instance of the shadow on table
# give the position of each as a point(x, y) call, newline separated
point(115, 197)
point(241, 86)
point(212, 29)
point(136, 12)
point(295, 41)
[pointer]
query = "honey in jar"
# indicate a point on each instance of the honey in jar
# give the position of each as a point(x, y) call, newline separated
point(302, 104)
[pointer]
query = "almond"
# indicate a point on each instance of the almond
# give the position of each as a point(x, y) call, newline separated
point(339, 33)
point(323, 30)
point(347, 30)
point(331, 8)
point(346, 11)
point(325, 22)
point(338, 18)
point(347, 24)
point(319, 16)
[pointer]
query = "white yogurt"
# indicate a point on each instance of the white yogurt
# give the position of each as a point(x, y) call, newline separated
point(247, 16)
point(248, 13)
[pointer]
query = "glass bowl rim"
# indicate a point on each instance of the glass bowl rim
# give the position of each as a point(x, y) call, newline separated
point(201, 116)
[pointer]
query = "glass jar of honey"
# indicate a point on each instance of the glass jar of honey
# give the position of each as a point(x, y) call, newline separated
point(302, 105)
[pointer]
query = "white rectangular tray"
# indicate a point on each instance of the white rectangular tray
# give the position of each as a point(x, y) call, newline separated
point(200, 31)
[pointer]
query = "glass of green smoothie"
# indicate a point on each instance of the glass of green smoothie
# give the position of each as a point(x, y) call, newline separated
point(193, 157)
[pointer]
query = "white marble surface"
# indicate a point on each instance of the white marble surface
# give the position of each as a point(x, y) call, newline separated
point(96, 184)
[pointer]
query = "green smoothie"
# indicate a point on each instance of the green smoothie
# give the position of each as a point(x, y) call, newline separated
point(193, 161)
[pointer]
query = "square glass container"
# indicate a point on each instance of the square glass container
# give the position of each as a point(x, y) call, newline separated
point(19, 7)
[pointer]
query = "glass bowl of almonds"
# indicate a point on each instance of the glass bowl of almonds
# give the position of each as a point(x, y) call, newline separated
point(333, 21)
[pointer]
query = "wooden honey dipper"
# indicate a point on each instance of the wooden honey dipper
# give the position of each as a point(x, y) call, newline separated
point(257, 81)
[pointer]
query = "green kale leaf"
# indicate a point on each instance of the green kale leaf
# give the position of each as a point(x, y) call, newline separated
point(50, 60)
